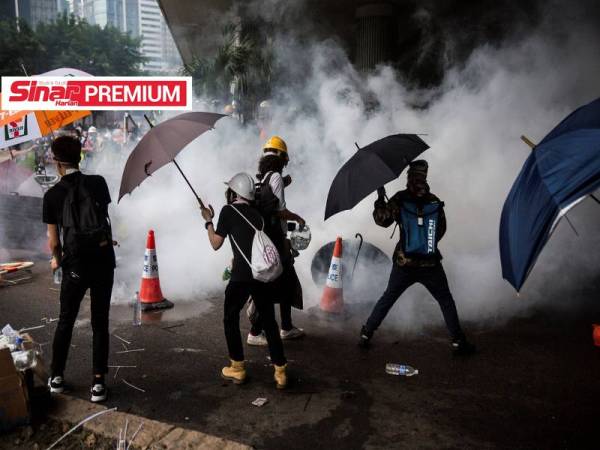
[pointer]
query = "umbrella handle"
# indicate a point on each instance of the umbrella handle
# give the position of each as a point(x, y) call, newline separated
point(180, 171)
point(358, 236)
point(189, 184)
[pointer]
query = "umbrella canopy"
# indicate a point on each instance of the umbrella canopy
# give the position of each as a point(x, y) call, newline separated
point(162, 144)
point(559, 173)
point(370, 168)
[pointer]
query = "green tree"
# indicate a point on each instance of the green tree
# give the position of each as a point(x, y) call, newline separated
point(72, 42)
point(244, 59)
point(17, 47)
point(68, 42)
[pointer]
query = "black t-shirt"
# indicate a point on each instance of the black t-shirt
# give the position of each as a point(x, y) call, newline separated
point(232, 224)
point(54, 199)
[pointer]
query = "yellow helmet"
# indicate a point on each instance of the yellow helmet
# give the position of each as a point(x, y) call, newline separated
point(275, 143)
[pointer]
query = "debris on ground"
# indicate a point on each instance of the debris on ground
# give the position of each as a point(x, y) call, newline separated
point(87, 419)
point(132, 350)
point(41, 436)
point(260, 401)
point(122, 340)
point(131, 385)
point(188, 350)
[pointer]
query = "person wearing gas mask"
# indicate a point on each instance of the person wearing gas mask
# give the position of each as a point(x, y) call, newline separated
point(422, 223)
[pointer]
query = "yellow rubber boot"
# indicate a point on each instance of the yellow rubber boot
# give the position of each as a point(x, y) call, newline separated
point(280, 376)
point(235, 372)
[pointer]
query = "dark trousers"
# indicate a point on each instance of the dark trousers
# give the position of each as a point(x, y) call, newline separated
point(72, 291)
point(236, 296)
point(434, 279)
point(288, 293)
point(285, 310)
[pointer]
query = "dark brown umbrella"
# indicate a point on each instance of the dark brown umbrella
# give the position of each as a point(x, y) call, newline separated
point(161, 145)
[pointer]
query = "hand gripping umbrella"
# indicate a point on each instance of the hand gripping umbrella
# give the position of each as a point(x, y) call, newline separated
point(370, 168)
point(560, 172)
point(161, 145)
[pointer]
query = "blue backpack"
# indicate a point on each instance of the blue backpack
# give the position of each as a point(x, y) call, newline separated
point(419, 227)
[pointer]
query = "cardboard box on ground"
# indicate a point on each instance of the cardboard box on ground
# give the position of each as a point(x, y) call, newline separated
point(14, 395)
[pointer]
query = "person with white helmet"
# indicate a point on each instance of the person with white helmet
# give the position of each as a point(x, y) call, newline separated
point(272, 205)
point(238, 221)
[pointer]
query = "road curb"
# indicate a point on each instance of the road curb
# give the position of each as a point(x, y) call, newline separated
point(154, 435)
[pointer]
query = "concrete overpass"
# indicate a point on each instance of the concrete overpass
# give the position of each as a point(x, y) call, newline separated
point(367, 29)
point(420, 37)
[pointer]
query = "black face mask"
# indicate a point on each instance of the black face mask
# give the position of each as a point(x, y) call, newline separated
point(418, 187)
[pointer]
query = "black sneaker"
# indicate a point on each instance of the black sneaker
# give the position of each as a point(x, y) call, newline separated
point(99, 392)
point(56, 384)
point(462, 347)
point(365, 337)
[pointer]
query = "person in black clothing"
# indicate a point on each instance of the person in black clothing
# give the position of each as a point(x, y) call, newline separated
point(238, 221)
point(410, 268)
point(92, 269)
point(289, 290)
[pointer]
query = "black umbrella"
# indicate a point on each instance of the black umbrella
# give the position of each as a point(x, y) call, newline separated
point(370, 168)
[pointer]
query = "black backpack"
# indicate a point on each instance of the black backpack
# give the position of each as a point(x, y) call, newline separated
point(86, 225)
point(265, 200)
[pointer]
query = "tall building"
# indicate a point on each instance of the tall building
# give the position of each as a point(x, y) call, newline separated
point(31, 11)
point(157, 43)
point(140, 18)
point(104, 13)
point(75, 7)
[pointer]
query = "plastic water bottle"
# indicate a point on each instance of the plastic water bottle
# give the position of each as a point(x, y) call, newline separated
point(400, 369)
point(137, 310)
point(11, 337)
point(58, 276)
point(24, 359)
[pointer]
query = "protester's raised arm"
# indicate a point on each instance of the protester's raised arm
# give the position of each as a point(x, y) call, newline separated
point(216, 240)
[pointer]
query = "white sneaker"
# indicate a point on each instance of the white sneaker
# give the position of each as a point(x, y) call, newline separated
point(260, 340)
point(98, 392)
point(294, 333)
point(56, 384)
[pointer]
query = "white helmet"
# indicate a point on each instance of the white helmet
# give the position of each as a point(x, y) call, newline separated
point(243, 185)
point(92, 129)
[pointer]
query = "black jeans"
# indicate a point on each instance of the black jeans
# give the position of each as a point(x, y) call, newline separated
point(285, 310)
point(434, 279)
point(72, 291)
point(236, 295)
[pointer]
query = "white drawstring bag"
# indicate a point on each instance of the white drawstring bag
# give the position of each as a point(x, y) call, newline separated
point(265, 261)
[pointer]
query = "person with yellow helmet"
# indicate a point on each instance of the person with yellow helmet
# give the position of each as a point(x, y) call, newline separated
point(270, 201)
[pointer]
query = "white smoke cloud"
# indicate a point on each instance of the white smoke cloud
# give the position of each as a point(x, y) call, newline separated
point(473, 122)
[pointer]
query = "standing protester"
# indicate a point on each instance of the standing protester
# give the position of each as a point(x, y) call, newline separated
point(272, 206)
point(420, 216)
point(77, 209)
point(239, 220)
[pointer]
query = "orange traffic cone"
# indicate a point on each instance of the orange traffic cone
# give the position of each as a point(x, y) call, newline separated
point(332, 300)
point(151, 296)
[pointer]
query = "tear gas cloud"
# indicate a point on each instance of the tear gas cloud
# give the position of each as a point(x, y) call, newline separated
point(472, 122)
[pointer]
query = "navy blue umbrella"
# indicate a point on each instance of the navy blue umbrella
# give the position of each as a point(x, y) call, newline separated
point(560, 172)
